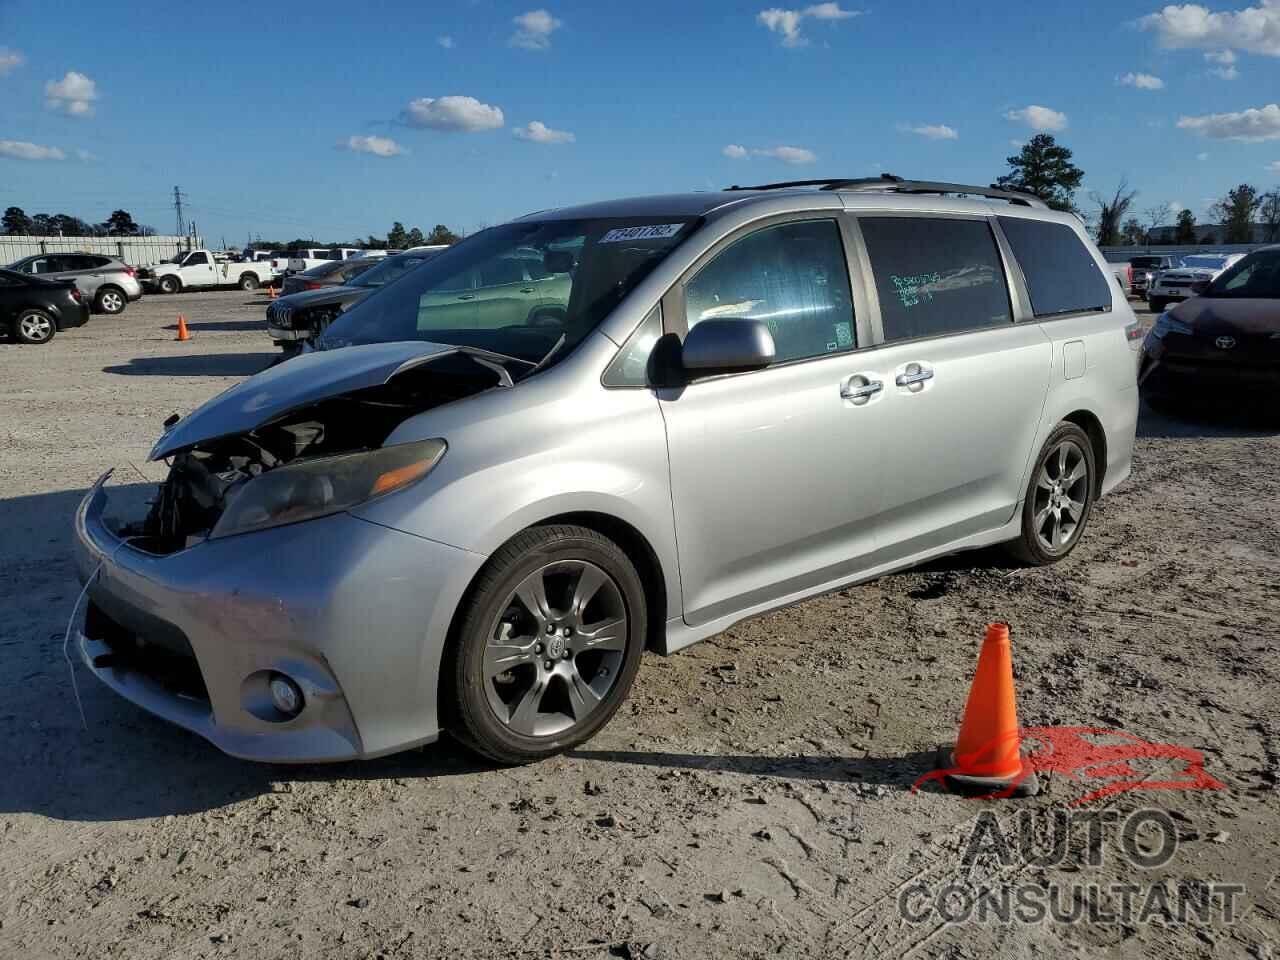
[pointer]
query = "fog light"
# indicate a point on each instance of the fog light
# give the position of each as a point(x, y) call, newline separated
point(285, 695)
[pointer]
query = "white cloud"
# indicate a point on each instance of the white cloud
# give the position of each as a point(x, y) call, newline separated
point(1273, 166)
point(1202, 157)
point(1142, 81)
point(446, 42)
point(1221, 56)
point(453, 114)
point(931, 131)
point(1039, 118)
point(786, 23)
point(792, 155)
point(534, 29)
point(1224, 73)
point(10, 60)
point(378, 146)
point(84, 156)
point(1017, 144)
point(1189, 25)
point(22, 150)
point(74, 94)
point(538, 132)
point(1254, 125)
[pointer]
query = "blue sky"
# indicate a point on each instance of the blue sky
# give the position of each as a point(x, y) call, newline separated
point(256, 114)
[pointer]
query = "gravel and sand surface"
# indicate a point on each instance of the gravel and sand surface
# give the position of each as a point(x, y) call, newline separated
point(752, 799)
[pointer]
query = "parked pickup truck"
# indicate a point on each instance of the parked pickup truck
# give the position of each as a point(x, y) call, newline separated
point(301, 260)
point(199, 270)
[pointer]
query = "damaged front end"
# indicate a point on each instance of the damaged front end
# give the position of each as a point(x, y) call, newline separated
point(308, 459)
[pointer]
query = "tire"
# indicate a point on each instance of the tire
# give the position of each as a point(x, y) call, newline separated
point(546, 317)
point(111, 301)
point(248, 281)
point(1046, 537)
point(1157, 304)
point(500, 698)
point(170, 284)
point(34, 327)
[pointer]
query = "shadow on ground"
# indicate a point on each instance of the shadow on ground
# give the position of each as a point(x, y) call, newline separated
point(226, 326)
point(1194, 420)
point(195, 365)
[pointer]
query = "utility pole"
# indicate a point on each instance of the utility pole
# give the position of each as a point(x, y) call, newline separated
point(178, 197)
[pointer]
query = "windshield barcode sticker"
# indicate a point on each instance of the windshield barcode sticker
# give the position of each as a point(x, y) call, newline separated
point(660, 231)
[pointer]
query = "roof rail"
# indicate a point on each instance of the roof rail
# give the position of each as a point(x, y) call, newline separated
point(888, 182)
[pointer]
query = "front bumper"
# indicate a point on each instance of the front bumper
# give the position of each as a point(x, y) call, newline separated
point(354, 612)
point(288, 333)
point(1176, 373)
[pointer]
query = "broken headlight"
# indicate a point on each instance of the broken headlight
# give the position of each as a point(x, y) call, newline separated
point(317, 488)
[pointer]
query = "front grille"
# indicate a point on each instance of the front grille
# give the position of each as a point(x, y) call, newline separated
point(175, 669)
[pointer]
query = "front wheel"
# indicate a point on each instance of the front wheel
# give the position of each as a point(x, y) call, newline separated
point(248, 281)
point(170, 284)
point(1059, 498)
point(549, 642)
point(34, 327)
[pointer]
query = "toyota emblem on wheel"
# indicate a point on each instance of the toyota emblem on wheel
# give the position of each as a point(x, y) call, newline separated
point(1225, 343)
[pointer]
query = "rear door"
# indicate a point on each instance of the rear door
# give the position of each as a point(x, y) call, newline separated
point(774, 473)
point(964, 385)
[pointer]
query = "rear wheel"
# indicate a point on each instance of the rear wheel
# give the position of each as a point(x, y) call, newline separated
point(110, 300)
point(248, 281)
point(549, 643)
point(34, 327)
point(1059, 498)
point(170, 284)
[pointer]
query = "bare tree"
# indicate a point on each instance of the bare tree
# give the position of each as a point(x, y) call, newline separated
point(1111, 213)
point(1154, 217)
point(1270, 213)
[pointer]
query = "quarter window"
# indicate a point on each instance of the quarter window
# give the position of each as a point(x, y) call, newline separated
point(792, 277)
point(935, 276)
point(1061, 274)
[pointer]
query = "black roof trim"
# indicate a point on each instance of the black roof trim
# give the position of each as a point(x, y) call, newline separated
point(888, 182)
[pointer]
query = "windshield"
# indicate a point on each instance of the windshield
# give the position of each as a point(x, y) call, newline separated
point(1257, 276)
point(392, 268)
point(1204, 262)
point(516, 289)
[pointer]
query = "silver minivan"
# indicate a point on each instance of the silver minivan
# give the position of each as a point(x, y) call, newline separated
point(474, 520)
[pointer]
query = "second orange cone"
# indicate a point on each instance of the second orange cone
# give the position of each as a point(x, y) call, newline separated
point(988, 754)
point(183, 334)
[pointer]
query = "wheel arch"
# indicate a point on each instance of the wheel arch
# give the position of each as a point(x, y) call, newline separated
point(1088, 421)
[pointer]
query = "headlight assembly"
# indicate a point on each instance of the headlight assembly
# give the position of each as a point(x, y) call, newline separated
point(317, 488)
point(1166, 324)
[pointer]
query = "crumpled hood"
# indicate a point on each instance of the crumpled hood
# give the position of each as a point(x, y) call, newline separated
point(297, 383)
point(1229, 315)
point(282, 310)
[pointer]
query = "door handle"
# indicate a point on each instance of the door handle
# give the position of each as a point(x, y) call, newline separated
point(916, 376)
point(860, 391)
point(526, 289)
point(467, 296)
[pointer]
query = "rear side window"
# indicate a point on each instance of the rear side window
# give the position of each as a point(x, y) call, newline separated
point(935, 276)
point(1061, 274)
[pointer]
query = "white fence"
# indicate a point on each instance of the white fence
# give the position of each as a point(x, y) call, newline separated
point(137, 251)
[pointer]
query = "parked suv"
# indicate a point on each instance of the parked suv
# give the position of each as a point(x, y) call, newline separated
point(1180, 282)
point(455, 518)
point(1144, 269)
point(108, 284)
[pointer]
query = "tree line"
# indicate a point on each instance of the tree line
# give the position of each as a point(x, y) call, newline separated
point(397, 238)
point(1044, 167)
point(16, 223)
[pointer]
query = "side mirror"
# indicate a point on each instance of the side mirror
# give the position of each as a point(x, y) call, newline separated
point(726, 346)
point(1199, 287)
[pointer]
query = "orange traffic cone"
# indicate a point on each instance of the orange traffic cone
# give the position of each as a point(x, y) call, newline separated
point(183, 334)
point(988, 758)
point(271, 292)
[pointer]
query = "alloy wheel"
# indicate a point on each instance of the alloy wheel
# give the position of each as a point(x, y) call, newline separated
point(112, 302)
point(1061, 495)
point(36, 327)
point(557, 649)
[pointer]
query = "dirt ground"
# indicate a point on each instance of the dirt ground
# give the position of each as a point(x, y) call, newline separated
point(752, 799)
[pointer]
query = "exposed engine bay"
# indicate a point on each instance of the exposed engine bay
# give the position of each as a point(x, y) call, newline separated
point(205, 479)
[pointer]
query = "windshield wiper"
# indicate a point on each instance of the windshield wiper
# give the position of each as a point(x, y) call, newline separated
point(546, 357)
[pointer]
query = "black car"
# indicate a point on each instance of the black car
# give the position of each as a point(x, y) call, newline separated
point(295, 319)
point(333, 274)
point(32, 309)
point(1222, 344)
